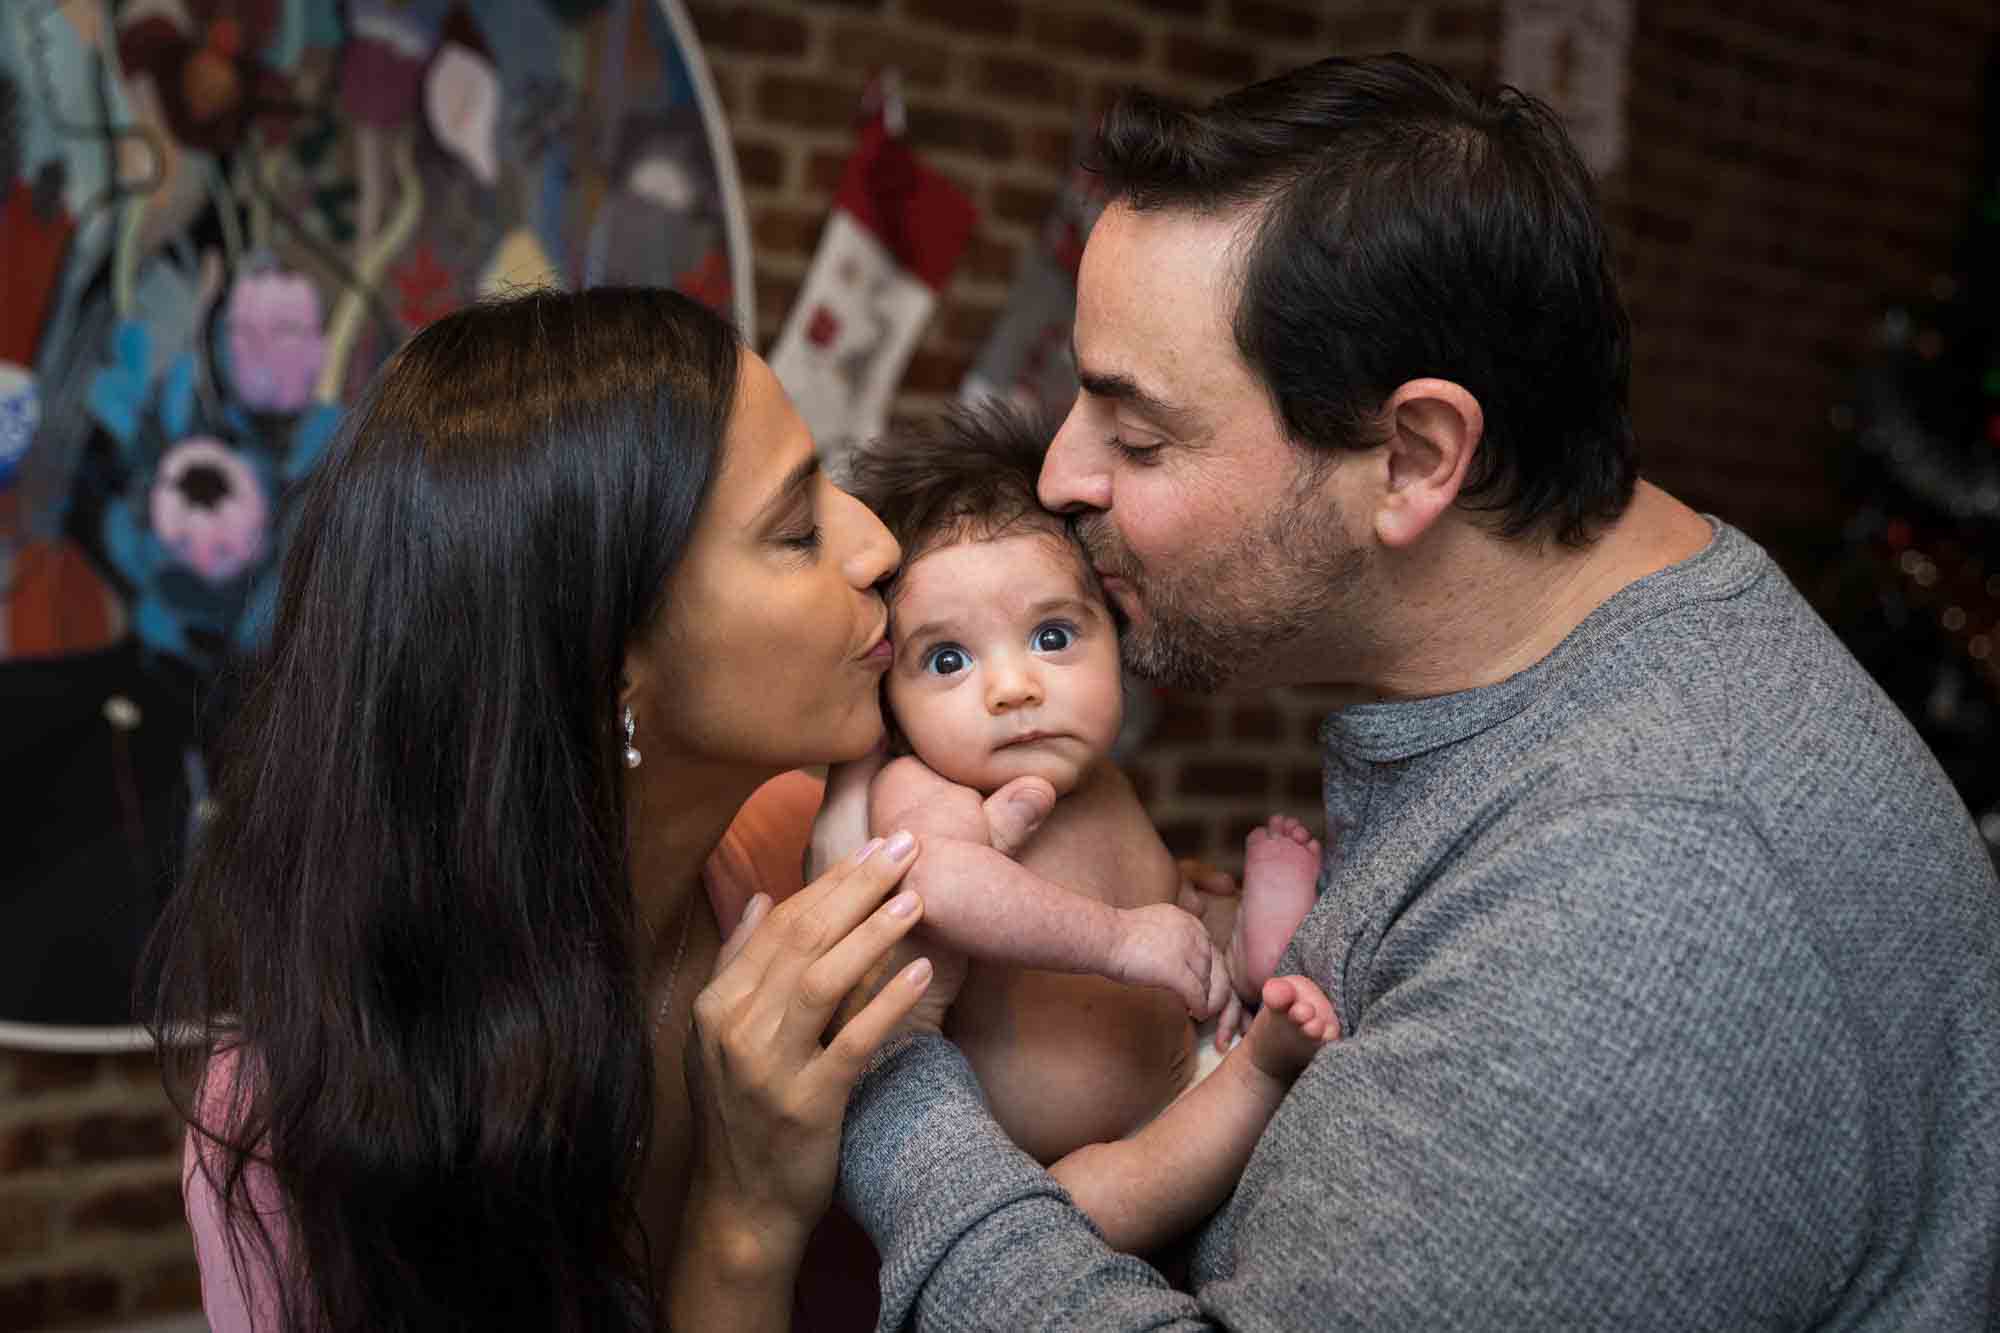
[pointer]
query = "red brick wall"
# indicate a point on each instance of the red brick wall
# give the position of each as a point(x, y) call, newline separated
point(1795, 166)
point(1790, 167)
point(90, 1211)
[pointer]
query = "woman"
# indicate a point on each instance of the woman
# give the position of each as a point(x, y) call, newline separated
point(569, 594)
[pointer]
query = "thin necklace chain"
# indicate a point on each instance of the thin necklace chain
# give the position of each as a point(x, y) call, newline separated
point(667, 1000)
point(674, 969)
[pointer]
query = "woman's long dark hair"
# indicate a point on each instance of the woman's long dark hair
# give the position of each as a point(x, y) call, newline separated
point(411, 912)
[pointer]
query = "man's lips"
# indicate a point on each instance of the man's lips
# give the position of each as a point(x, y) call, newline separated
point(1118, 591)
point(879, 648)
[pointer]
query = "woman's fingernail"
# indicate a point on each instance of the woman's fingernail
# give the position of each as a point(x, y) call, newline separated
point(868, 851)
point(900, 845)
point(903, 903)
point(919, 973)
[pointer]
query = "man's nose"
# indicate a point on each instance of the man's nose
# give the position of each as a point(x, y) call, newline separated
point(1073, 477)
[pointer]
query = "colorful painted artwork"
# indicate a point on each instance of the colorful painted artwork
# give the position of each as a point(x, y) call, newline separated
point(217, 218)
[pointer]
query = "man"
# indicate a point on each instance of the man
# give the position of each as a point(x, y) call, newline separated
point(1668, 962)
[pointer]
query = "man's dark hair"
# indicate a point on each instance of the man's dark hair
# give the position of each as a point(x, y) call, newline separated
point(1409, 227)
point(968, 474)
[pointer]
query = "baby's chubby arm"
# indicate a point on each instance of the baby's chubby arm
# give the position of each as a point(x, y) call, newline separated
point(994, 909)
point(906, 793)
point(1012, 814)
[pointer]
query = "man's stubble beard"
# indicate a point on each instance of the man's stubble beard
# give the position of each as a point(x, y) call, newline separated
point(1207, 628)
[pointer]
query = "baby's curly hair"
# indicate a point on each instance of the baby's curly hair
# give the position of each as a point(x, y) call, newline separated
point(968, 474)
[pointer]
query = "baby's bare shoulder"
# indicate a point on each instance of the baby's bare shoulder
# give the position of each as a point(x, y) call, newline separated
point(909, 776)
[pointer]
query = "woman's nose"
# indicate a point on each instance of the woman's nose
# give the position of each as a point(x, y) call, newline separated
point(874, 552)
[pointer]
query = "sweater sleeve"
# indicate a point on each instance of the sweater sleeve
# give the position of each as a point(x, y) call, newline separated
point(1598, 1077)
point(942, 1190)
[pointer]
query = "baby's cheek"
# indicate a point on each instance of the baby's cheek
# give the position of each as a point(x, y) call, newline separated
point(915, 719)
point(1108, 714)
point(895, 693)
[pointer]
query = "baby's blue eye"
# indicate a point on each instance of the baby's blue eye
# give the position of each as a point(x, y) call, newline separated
point(1053, 638)
point(946, 660)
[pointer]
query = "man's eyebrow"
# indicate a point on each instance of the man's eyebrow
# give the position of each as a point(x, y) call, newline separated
point(787, 493)
point(1125, 389)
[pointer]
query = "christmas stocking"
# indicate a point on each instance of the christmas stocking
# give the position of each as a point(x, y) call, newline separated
point(896, 233)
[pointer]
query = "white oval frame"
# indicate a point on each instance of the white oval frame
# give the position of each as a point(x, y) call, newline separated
point(735, 220)
point(736, 230)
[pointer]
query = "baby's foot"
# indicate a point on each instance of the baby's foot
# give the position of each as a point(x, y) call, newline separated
point(1280, 872)
point(1296, 1020)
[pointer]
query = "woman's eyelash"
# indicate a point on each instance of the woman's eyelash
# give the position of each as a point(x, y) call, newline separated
point(804, 541)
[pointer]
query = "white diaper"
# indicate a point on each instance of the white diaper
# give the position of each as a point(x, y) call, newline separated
point(1206, 1058)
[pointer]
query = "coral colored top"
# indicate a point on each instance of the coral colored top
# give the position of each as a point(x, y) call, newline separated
point(762, 851)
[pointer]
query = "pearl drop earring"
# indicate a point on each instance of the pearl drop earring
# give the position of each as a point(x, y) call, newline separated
point(631, 755)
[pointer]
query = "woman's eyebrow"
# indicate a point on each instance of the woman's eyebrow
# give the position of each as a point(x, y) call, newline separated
point(788, 491)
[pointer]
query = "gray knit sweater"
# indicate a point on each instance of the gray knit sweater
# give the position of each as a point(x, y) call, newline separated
point(1670, 973)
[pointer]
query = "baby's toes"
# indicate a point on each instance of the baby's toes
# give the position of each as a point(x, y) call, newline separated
point(1314, 1015)
point(1304, 1005)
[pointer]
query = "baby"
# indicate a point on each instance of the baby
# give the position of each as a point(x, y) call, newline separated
point(1006, 667)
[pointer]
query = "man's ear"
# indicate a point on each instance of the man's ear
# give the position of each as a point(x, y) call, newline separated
point(1434, 428)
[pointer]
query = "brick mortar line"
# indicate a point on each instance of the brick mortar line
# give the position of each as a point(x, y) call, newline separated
point(136, 1257)
point(79, 1180)
point(67, 1103)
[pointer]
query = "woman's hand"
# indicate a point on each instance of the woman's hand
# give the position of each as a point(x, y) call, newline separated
point(767, 1096)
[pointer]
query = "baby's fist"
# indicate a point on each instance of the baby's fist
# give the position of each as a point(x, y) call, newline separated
point(1163, 946)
